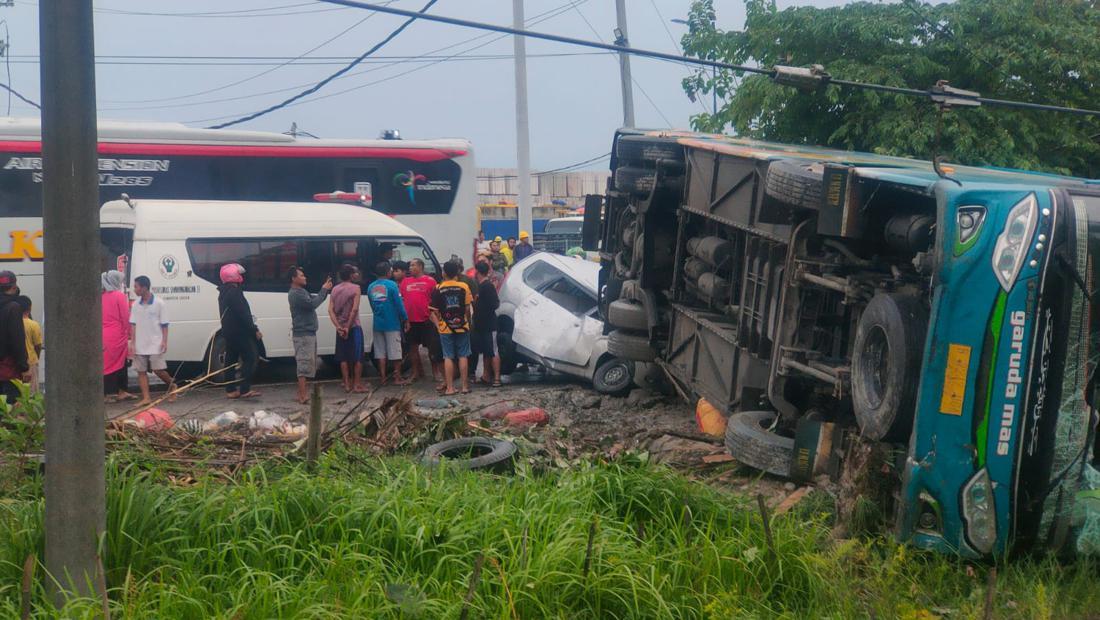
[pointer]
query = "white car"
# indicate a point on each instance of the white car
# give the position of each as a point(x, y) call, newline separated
point(548, 316)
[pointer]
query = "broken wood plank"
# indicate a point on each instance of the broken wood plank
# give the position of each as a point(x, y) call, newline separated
point(718, 458)
point(791, 500)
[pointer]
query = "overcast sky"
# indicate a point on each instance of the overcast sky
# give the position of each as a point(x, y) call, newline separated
point(575, 100)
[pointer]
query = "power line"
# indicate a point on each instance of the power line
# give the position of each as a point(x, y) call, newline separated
point(569, 168)
point(675, 46)
point(278, 62)
point(20, 96)
point(539, 18)
point(238, 13)
point(332, 77)
point(802, 78)
point(632, 80)
point(265, 72)
point(542, 17)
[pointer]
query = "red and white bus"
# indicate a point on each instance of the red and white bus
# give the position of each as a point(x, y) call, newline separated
point(428, 185)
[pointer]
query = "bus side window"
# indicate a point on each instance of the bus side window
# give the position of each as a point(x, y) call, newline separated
point(317, 262)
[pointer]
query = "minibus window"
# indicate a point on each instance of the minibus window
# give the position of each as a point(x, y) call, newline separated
point(266, 261)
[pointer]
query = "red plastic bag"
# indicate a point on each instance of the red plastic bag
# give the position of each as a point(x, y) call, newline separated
point(527, 417)
point(154, 419)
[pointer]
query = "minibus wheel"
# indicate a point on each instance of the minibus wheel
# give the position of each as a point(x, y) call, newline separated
point(886, 361)
point(215, 358)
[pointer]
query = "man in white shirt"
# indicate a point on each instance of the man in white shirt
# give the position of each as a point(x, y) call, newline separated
point(149, 337)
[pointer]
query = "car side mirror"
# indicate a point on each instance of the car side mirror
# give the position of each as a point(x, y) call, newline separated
point(590, 228)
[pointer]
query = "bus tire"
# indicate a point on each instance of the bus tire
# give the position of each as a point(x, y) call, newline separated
point(750, 441)
point(795, 183)
point(649, 149)
point(630, 346)
point(627, 314)
point(886, 355)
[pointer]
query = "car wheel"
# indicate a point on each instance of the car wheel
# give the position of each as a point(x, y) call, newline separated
point(615, 377)
point(795, 183)
point(886, 358)
point(630, 346)
point(649, 149)
point(628, 314)
point(506, 349)
point(494, 455)
point(750, 441)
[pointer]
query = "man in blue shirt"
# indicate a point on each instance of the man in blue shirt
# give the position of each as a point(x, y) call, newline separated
point(389, 319)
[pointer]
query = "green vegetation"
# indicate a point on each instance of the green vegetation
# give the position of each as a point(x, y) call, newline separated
point(392, 539)
point(1042, 52)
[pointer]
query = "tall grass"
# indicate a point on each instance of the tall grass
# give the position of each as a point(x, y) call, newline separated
point(391, 539)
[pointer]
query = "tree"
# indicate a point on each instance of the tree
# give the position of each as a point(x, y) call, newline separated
point(1043, 51)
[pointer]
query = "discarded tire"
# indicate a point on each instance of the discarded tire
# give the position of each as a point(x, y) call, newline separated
point(642, 181)
point(886, 357)
point(649, 149)
point(794, 182)
point(630, 346)
point(493, 455)
point(615, 376)
point(627, 314)
point(750, 442)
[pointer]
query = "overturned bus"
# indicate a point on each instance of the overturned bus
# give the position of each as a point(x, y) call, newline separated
point(948, 311)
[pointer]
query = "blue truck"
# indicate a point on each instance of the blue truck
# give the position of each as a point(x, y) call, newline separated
point(815, 295)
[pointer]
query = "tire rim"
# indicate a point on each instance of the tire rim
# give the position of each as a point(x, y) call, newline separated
point(615, 375)
point(875, 365)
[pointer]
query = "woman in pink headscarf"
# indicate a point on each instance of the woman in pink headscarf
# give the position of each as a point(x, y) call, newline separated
point(116, 336)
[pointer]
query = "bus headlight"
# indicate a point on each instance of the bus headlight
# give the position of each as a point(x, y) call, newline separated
point(1015, 241)
point(979, 512)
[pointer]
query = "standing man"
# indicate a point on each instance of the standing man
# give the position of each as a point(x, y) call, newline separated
point(481, 243)
point(34, 341)
point(13, 338)
point(400, 271)
point(303, 326)
point(451, 307)
point(416, 293)
point(524, 248)
point(149, 338)
point(241, 335)
point(510, 251)
point(496, 258)
point(389, 321)
point(343, 311)
point(485, 326)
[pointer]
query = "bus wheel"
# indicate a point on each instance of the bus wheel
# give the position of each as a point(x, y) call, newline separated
point(886, 359)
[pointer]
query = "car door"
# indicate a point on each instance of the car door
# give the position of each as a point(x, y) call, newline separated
point(552, 322)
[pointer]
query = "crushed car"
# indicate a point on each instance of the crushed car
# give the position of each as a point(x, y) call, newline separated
point(548, 316)
point(814, 295)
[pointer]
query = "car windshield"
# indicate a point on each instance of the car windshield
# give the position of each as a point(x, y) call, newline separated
point(563, 227)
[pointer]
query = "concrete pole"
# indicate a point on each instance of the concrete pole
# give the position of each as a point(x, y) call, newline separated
point(523, 138)
point(624, 65)
point(75, 507)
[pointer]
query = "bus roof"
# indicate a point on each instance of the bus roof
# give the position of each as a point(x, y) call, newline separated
point(901, 170)
point(181, 219)
point(30, 129)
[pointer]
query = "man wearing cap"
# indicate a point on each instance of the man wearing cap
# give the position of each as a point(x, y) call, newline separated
point(13, 339)
point(506, 250)
point(496, 257)
point(523, 249)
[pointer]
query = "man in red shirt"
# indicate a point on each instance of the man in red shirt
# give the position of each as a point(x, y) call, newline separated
point(416, 291)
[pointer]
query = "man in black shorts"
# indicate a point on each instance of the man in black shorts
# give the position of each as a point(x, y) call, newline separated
point(416, 291)
point(485, 326)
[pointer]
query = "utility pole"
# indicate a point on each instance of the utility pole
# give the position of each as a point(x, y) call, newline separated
point(75, 487)
point(622, 40)
point(523, 138)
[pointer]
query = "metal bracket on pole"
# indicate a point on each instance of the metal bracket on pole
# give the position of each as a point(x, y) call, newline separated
point(946, 96)
point(802, 78)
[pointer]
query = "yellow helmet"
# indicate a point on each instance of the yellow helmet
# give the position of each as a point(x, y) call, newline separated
point(523, 234)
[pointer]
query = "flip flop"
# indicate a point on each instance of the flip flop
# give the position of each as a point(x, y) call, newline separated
point(466, 391)
point(497, 384)
point(251, 394)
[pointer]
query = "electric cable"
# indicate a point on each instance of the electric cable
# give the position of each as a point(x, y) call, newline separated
point(408, 22)
point(20, 96)
point(546, 15)
point(633, 81)
point(962, 98)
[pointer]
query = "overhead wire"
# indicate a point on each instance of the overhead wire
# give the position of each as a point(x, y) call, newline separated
point(633, 80)
point(955, 98)
point(237, 13)
point(675, 46)
point(266, 71)
point(408, 22)
point(19, 95)
point(265, 61)
point(546, 15)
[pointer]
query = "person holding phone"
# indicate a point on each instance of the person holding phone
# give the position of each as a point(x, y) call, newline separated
point(303, 326)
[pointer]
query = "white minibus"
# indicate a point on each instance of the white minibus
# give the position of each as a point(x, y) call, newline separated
point(181, 244)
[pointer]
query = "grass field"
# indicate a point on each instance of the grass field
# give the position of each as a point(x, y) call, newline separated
point(391, 539)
